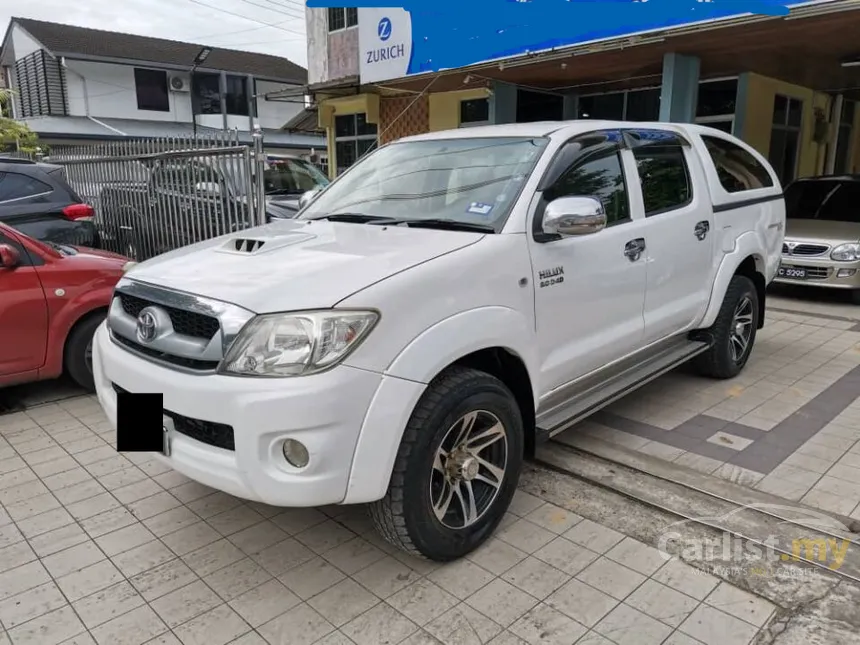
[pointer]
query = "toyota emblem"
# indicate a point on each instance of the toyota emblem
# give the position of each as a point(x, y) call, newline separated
point(147, 326)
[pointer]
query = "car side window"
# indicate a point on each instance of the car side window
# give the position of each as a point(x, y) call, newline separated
point(14, 186)
point(597, 172)
point(664, 177)
point(737, 169)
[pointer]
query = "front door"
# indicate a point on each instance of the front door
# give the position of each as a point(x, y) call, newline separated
point(670, 188)
point(23, 315)
point(589, 290)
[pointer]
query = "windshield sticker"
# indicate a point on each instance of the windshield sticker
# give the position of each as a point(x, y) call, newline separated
point(479, 208)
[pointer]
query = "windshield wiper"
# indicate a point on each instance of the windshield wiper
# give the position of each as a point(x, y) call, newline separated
point(357, 218)
point(434, 222)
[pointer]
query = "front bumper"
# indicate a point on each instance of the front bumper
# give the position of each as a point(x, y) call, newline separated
point(822, 272)
point(323, 411)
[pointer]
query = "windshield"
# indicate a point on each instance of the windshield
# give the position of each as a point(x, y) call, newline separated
point(831, 199)
point(291, 176)
point(474, 180)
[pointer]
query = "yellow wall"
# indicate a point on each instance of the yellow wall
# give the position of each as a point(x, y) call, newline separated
point(445, 107)
point(759, 117)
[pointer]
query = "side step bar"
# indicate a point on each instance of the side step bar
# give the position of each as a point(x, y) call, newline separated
point(597, 394)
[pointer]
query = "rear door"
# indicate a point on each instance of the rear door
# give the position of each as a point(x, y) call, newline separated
point(23, 314)
point(670, 188)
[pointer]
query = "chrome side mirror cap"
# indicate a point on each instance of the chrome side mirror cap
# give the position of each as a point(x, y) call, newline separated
point(573, 216)
point(308, 196)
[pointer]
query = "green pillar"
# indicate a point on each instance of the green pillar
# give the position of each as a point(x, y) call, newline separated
point(680, 88)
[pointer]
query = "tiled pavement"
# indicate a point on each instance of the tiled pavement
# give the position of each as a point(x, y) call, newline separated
point(97, 547)
point(789, 425)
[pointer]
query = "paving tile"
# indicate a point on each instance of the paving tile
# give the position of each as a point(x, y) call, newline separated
point(497, 556)
point(143, 558)
point(89, 580)
point(48, 629)
point(213, 557)
point(422, 601)
point(463, 625)
point(283, 556)
point(535, 577)
point(258, 537)
point(740, 604)
point(342, 602)
point(111, 520)
point(124, 539)
point(216, 627)
point(15, 555)
point(235, 579)
point(296, 520)
point(108, 604)
point(311, 578)
point(264, 603)
point(502, 602)
point(461, 578)
point(662, 602)
point(162, 579)
point(553, 518)
point(354, 555)
point(191, 538)
point(301, 625)
point(386, 577)
point(611, 578)
point(594, 536)
point(183, 604)
point(170, 521)
point(20, 579)
point(30, 604)
point(583, 603)
point(526, 536)
point(714, 627)
point(545, 626)
point(637, 556)
point(686, 579)
point(382, 625)
point(625, 625)
point(322, 537)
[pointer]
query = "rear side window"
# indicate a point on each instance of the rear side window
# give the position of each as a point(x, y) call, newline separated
point(737, 169)
point(832, 200)
point(14, 185)
point(664, 177)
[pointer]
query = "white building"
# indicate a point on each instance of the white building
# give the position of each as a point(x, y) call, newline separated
point(75, 85)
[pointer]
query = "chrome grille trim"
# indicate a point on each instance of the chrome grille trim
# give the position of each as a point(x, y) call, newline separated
point(794, 248)
point(171, 348)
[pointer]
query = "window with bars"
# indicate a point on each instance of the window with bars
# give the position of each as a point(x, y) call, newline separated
point(342, 18)
point(353, 138)
point(785, 136)
point(41, 86)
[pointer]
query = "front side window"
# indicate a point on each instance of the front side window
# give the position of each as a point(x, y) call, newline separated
point(14, 186)
point(664, 177)
point(469, 180)
point(597, 172)
point(736, 168)
point(151, 88)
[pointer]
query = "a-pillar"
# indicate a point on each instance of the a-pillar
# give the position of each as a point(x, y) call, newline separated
point(680, 88)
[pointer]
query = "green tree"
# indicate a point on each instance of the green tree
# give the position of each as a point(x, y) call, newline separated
point(14, 135)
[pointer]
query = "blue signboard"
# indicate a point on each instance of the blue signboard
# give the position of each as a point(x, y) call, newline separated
point(406, 38)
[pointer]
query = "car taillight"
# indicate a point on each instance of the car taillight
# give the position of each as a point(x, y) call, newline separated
point(78, 211)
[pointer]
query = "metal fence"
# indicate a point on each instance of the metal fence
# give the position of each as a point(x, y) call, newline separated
point(155, 195)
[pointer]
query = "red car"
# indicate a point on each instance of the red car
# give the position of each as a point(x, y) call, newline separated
point(52, 299)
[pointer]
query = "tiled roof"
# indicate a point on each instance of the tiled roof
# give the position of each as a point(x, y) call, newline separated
point(68, 39)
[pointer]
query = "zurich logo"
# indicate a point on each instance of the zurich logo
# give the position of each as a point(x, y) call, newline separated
point(147, 326)
point(383, 29)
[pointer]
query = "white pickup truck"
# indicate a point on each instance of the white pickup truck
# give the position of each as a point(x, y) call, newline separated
point(451, 299)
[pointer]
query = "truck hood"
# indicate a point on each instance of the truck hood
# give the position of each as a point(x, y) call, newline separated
point(814, 230)
point(290, 265)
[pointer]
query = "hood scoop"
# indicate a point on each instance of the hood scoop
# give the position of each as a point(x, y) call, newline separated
point(262, 243)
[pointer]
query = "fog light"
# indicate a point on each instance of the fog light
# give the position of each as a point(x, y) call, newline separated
point(296, 453)
point(845, 273)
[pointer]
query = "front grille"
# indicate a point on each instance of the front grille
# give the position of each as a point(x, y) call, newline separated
point(805, 249)
point(184, 322)
point(218, 435)
point(180, 361)
point(813, 273)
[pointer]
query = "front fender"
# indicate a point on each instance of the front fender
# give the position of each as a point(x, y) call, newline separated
point(62, 322)
point(406, 379)
point(746, 245)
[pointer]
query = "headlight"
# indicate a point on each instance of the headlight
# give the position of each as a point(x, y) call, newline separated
point(846, 253)
point(296, 344)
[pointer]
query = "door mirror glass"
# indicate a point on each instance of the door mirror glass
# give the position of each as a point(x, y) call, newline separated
point(208, 189)
point(309, 196)
point(9, 257)
point(569, 216)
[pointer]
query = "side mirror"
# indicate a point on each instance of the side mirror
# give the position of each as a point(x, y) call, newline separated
point(9, 257)
point(308, 196)
point(569, 216)
point(208, 188)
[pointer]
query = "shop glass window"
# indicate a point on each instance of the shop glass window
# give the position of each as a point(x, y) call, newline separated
point(237, 98)
point(844, 137)
point(643, 105)
point(150, 86)
point(736, 168)
point(664, 177)
point(602, 106)
point(354, 137)
point(207, 92)
point(538, 106)
point(717, 98)
point(474, 111)
point(785, 136)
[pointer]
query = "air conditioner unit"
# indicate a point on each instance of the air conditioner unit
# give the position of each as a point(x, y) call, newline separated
point(179, 84)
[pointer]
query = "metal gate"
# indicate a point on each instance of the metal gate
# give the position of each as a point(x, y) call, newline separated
point(151, 196)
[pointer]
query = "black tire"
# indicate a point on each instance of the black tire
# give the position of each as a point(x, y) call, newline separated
point(855, 297)
point(77, 358)
point(719, 361)
point(405, 516)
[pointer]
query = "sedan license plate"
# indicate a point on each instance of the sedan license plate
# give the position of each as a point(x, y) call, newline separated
point(792, 273)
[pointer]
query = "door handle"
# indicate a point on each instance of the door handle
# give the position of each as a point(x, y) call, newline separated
point(634, 248)
point(701, 230)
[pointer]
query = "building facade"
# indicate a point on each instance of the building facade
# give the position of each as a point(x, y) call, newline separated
point(77, 85)
point(787, 84)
